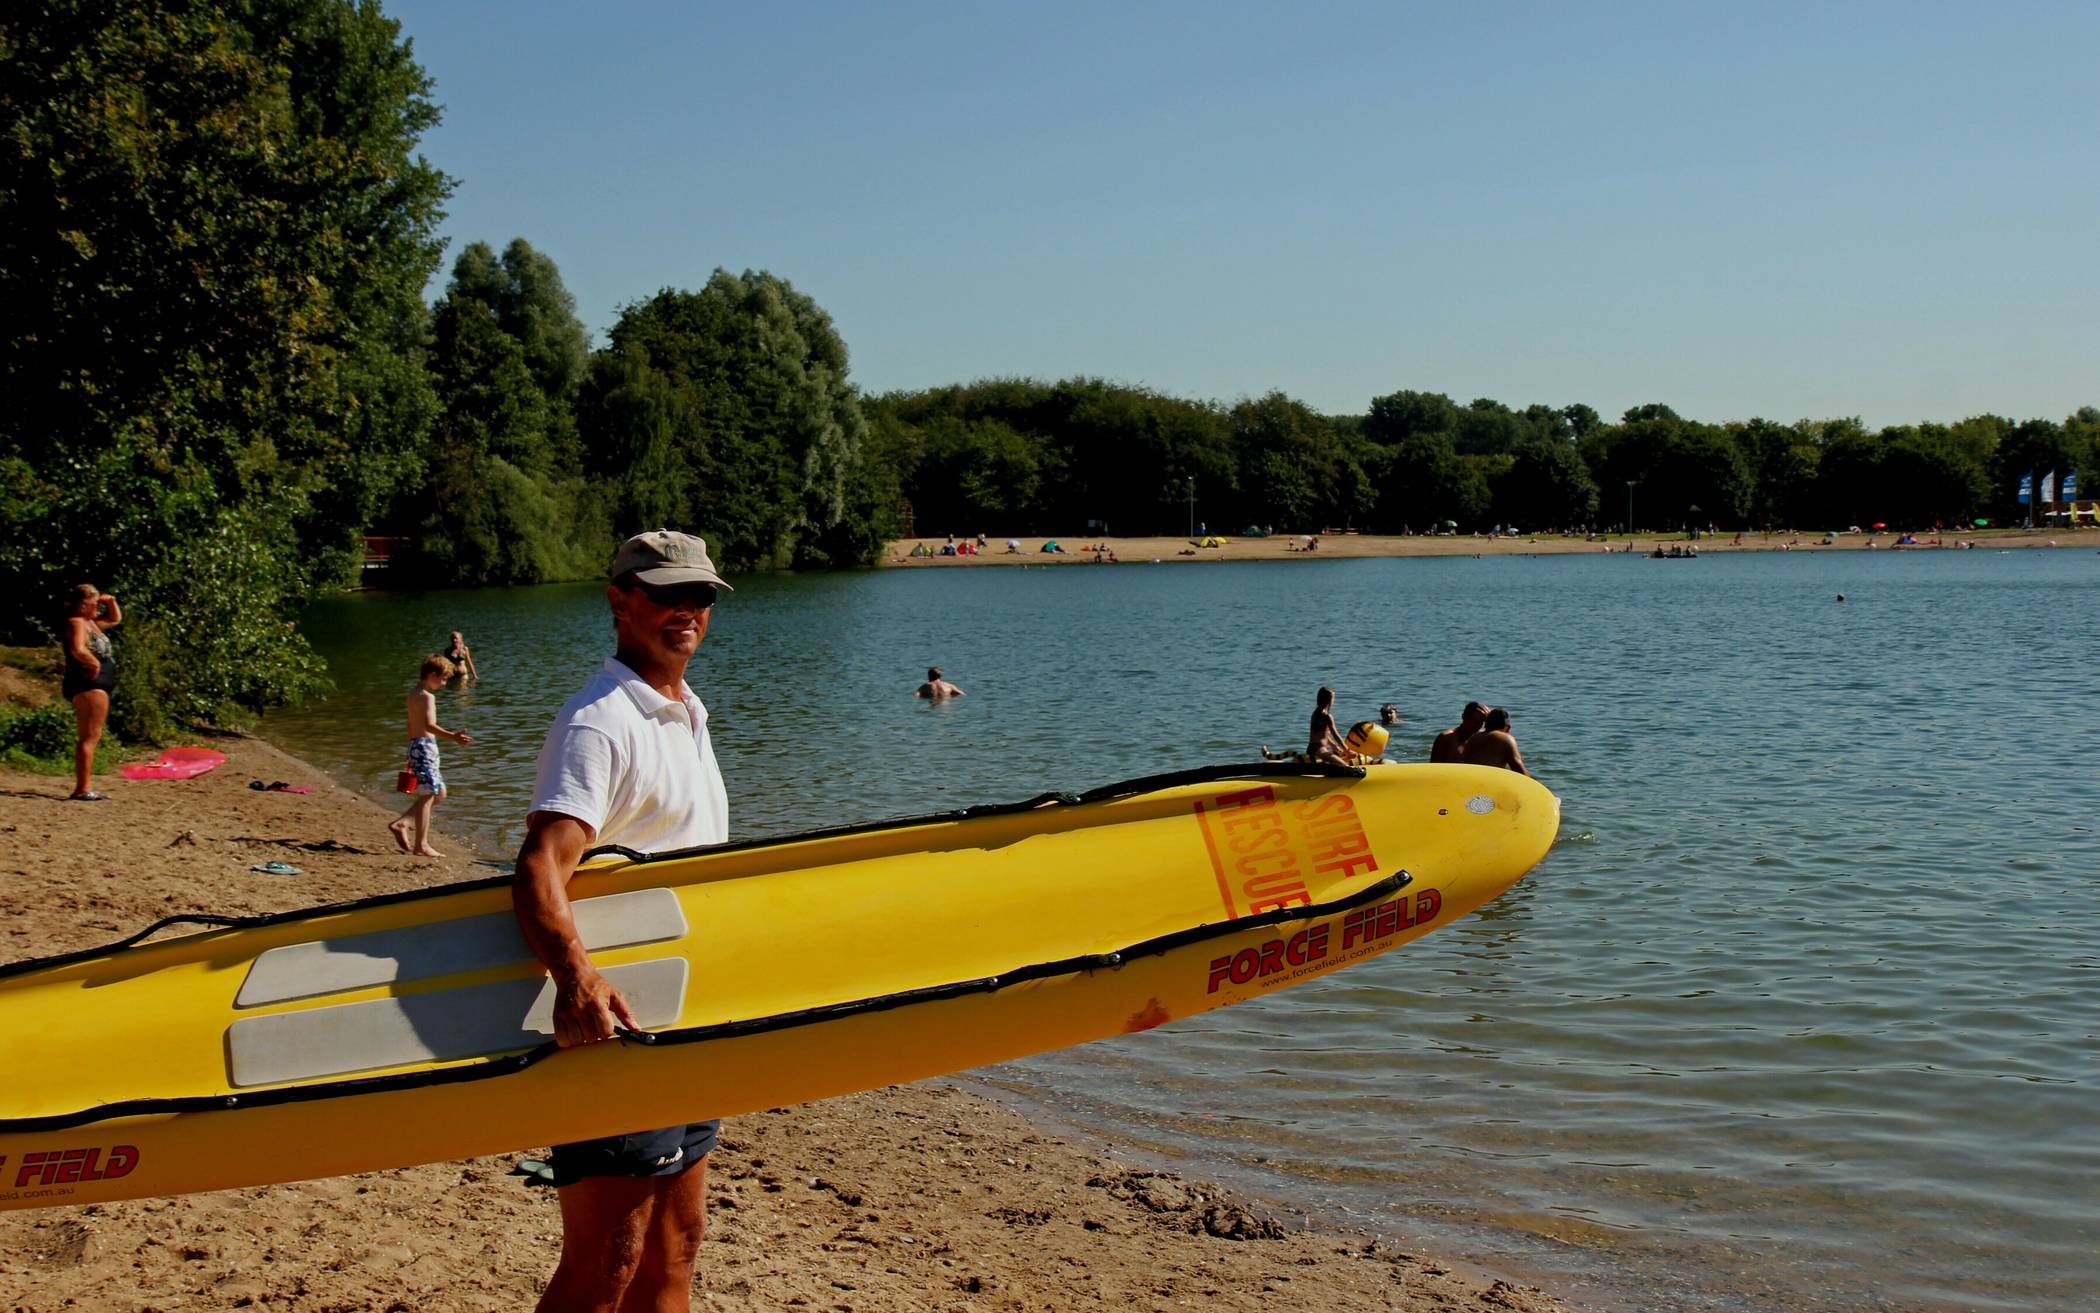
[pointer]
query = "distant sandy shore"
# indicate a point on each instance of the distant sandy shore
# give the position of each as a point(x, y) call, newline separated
point(903, 1200)
point(1078, 550)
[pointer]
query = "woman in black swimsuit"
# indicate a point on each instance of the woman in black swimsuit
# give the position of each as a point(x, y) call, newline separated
point(91, 672)
point(462, 658)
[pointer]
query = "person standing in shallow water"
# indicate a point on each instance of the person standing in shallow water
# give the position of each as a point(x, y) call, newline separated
point(1494, 745)
point(937, 688)
point(628, 761)
point(1449, 744)
point(91, 672)
point(462, 658)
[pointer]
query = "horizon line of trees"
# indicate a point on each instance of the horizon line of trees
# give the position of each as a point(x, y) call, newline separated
point(1019, 455)
point(218, 371)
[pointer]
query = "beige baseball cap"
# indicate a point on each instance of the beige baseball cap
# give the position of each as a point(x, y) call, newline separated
point(662, 556)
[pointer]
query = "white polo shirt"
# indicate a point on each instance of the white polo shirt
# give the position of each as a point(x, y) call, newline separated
point(634, 765)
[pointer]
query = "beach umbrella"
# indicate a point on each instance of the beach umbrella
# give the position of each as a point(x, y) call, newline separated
point(1983, 524)
point(1451, 524)
point(1879, 525)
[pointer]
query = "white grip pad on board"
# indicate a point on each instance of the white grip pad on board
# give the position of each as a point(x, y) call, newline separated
point(440, 1026)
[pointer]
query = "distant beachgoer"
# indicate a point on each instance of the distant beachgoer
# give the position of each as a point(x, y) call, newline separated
point(1448, 746)
point(1013, 545)
point(91, 672)
point(1323, 741)
point(937, 688)
point(1388, 714)
point(412, 830)
point(462, 658)
point(1494, 745)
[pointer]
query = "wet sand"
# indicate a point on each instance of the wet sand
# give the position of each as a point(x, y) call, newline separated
point(1128, 551)
point(923, 1197)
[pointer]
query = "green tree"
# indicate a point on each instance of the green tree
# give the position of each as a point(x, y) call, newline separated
point(1684, 473)
point(1848, 476)
point(977, 476)
point(525, 292)
point(1399, 415)
point(1487, 427)
point(1783, 466)
point(1422, 482)
point(500, 503)
point(1653, 410)
point(1294, 473)
point(1547, 486)
point(1929, 479)
point(2082, 432)
point(1582, 421)
point(213, 240)
point(1548, 425)
point(501, 498)
point(1700, 478)
point(738, 395)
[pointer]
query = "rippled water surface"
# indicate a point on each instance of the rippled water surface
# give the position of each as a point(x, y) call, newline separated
point(1800, 1013)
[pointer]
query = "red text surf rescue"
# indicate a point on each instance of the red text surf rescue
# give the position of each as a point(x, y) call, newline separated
point(1264, 852)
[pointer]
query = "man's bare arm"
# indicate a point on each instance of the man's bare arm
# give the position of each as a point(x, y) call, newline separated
point(586, 1006)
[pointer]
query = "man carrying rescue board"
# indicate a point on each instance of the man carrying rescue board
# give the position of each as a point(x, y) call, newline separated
point(628, 761)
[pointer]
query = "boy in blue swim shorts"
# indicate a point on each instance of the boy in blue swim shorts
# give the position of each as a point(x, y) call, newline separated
point(412, 830)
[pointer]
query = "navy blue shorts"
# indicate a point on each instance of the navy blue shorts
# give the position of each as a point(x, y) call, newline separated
point(666, 1152)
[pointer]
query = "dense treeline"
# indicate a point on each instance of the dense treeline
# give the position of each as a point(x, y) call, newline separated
point(218, 374)
point(1014, 456)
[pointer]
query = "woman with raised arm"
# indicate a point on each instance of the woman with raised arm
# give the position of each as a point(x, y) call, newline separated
point(91, 672)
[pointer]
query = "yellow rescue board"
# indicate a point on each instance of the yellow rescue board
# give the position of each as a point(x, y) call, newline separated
point(414, 1028)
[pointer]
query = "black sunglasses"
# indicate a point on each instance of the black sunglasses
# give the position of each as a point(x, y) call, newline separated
point(698, 596)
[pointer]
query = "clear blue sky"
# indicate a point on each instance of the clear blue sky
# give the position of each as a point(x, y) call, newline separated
point(1889, 210)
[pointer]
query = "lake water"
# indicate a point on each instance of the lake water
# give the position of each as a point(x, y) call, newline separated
point(1802, 1012)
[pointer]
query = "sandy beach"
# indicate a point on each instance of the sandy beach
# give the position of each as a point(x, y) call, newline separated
point(924, 1197)
point(1283, 547)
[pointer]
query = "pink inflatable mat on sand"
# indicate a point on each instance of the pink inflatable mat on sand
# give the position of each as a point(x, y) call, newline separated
point(176, 764)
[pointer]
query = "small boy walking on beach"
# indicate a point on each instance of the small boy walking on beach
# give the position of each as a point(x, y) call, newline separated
point(423, 734)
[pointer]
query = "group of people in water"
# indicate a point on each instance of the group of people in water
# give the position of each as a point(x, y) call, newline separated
point(1480, 738)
